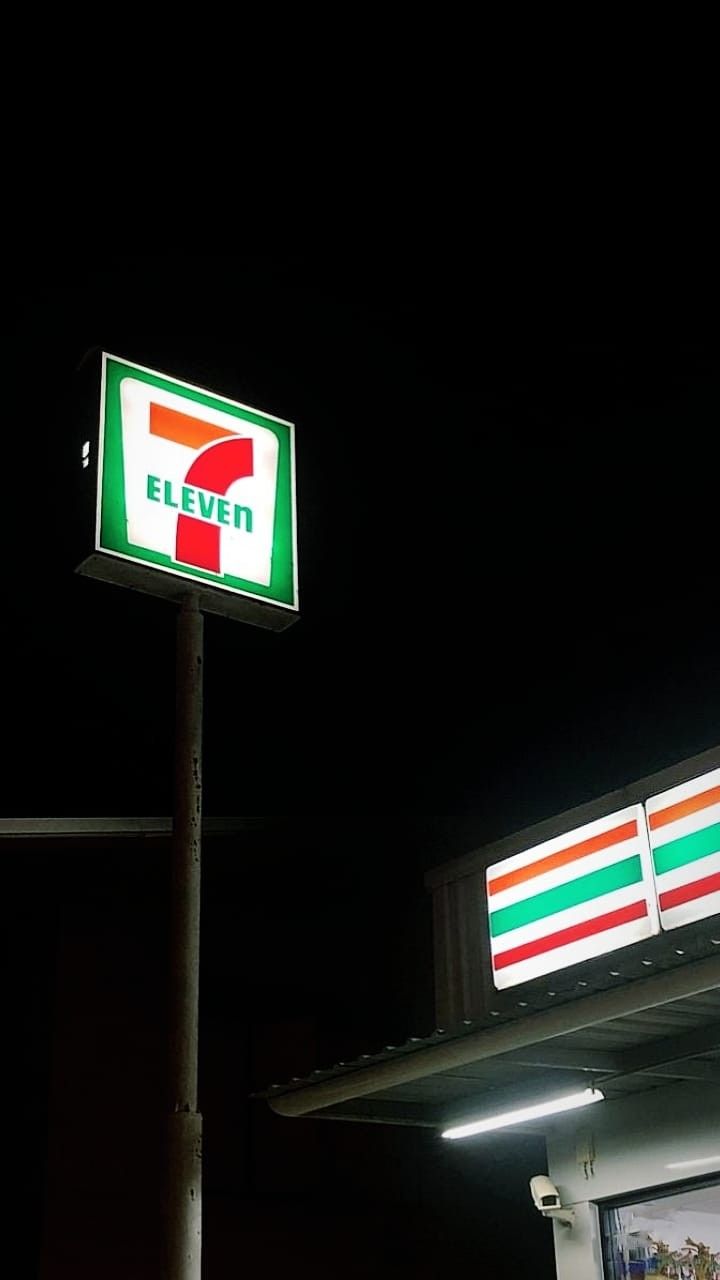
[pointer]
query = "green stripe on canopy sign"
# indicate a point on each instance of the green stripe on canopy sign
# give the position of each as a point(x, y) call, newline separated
point(684, 827)
point(582, 889)
point(576, 896)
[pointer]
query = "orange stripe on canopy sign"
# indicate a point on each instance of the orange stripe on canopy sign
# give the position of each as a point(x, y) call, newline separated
point(684, 807)
point(563, 857)
point(182, 428)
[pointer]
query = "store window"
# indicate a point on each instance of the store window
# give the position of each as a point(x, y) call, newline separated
point(667, 1233)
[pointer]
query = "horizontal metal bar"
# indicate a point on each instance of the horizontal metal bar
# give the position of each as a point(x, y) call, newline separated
point(46, 827)
point(591, 1061)
point(694, 1069)
point(131, 826)
point(668, 1051)
point(555, 1056)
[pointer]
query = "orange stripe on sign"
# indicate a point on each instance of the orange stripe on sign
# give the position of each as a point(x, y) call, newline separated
point(563, 857)
point(683, 807)
point(182, 428)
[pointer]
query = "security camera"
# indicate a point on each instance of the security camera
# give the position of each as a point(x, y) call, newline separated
point(546, 1198)
point(544, 1193)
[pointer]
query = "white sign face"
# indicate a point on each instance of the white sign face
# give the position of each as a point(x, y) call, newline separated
point(195, 485)
point(684, 827)
point(576, 896)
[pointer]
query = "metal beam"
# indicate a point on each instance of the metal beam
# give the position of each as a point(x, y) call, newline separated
point(599, 1061)
point(555, 1056)
point(48, 828)
point(57, 827)
point(670, 1050)
point(696, 1069)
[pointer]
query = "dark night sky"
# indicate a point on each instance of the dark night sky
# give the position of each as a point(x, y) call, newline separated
point(507, 545)
point(508, 577)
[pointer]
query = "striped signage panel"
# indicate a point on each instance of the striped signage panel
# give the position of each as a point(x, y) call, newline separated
point(571, 898)
point(684, 826)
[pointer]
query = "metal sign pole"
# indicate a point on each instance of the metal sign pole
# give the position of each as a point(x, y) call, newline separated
point(184, 1133)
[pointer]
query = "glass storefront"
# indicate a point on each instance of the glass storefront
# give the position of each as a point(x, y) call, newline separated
point(667, 1233)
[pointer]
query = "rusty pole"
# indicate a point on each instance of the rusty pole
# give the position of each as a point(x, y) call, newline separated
point(184, 1130)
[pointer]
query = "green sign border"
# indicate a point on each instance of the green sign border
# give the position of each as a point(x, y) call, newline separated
point(112, 523)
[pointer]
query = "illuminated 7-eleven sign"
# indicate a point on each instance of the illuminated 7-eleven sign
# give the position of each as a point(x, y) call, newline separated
point(196, 486)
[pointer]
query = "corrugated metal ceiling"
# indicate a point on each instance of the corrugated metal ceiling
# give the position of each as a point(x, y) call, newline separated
point(646, 1049)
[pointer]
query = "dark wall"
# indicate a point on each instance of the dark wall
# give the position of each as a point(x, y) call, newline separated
point(291, 979)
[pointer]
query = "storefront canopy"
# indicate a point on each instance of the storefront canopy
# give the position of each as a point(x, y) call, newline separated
point(632, 1039)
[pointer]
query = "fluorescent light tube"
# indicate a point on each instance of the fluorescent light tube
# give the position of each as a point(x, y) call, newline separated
point(550, 1108)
